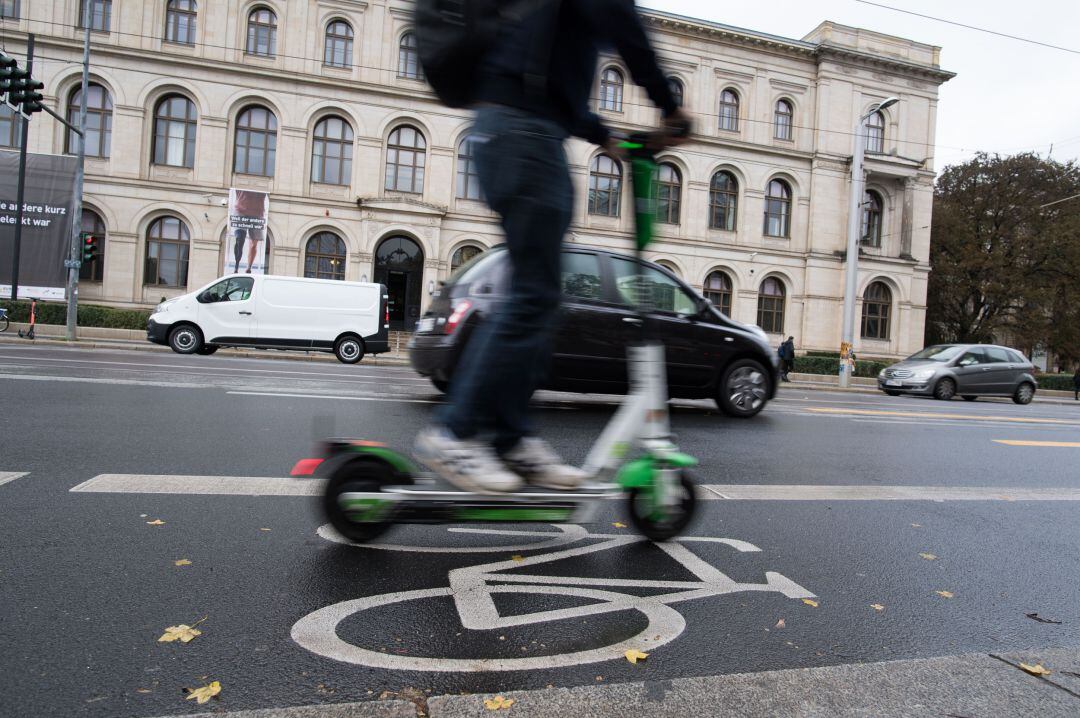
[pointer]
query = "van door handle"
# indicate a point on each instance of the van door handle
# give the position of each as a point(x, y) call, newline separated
point(986, 368)
point(247, 313)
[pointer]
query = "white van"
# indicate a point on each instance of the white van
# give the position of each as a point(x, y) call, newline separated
point(252, 310)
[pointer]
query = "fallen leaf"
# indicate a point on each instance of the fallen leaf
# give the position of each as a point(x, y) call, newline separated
point(928, 556)
point(517, 557)
point(780, 624)
point(156, 522)
point(945, 594)
point(1036, 670)
point(1040, 619)
point(498, 703)
point(634, 655)
point(619, 525)
point(143, 516)
point(810, 602)
point(143, 690)
point(182, 562)
point(877, 607)
point(183, 633)
point(264, 529)
point(916, 526)
point(205, 693)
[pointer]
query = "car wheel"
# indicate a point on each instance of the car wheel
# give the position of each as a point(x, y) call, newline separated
point(744, 389)
point(185, 339)
point(893, 392)
point(970, 397)
point(349, 350)
point(207, 349)
point(945, 389)
point(441, 384)
point(1024, 393)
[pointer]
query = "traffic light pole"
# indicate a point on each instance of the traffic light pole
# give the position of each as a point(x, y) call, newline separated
point(76, 221)
point(24, 137)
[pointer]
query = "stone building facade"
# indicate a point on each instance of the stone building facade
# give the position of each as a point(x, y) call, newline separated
point(320, 103)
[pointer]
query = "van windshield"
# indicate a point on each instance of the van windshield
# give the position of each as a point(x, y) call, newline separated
point(939, 352)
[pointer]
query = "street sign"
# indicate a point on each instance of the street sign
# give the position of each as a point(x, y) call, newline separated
point(72, 264)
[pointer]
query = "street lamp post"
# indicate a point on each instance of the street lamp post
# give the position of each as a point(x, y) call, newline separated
point(858, 181)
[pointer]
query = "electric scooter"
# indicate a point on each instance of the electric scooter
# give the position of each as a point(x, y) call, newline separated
point(371, 487)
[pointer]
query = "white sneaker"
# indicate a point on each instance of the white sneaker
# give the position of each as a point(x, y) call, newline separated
point(469, 465)
point(535, 460)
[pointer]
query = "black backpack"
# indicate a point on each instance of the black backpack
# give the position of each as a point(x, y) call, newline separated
point(454, 36)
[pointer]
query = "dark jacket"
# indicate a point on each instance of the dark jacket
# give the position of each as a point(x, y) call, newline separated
point(787, 350)
point(1076, 380)
point(582, 28)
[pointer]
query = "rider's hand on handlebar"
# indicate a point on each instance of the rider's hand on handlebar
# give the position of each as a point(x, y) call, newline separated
point(676, 129)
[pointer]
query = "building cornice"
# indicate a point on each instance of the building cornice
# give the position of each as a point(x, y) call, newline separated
point(828, 51)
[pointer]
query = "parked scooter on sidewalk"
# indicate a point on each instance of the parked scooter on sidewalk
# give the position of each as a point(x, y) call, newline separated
point(29, 333)
point(4, 323)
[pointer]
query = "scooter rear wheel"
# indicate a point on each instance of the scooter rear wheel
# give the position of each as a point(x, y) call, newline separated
point(366, 475)
point(659, 525)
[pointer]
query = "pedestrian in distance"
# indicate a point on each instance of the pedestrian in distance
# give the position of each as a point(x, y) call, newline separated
point(787, 358)
point(531, 92)
point(1076, 384)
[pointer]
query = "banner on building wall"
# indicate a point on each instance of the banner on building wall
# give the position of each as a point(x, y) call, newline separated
point(245, 239)
point(48, 207)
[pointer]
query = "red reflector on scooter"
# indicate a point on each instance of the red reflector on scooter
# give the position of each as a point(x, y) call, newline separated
point(305, 467)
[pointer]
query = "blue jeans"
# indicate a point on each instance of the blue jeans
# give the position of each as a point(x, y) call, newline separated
point(525, 178)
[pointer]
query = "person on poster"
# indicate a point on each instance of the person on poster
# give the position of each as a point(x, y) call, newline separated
point(247, 222)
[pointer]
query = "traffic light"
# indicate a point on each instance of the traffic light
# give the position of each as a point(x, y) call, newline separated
point(32, 99)
point(8, 65)
point(89, 246)
point(17, 82)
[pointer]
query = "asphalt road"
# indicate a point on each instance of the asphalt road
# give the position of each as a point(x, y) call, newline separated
point(910, 525)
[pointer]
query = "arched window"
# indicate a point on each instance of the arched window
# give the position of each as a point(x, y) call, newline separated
point(875, 133)
point(871, 219)
point(611, 90)
point(180, 17)
point(339, 44)
point(464, 255)
point(324, 257)
point(100, 14)
point(167, 248)
point(778, 209)
point(332, 151)
point(876, 306)
point(677, 91)
point(408, 65)
point(669, 194)
point(723, 201)
point(670, 267)
point(9, 9)
point(262, 32)
point(783, 119)
point(405, 160)
point(175, 121)
point(468, 179)
point(93, 270)
point(256, 142)
point(10, 127)
point(98, 121)
point(729, 111)
point(718, 291)
point(770, 306)
point(605, 186)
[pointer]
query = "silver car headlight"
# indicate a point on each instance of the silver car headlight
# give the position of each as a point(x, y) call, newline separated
point(922, 374)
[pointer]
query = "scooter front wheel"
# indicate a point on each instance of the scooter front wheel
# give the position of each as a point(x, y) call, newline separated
point(359, 475)
point(659, 522)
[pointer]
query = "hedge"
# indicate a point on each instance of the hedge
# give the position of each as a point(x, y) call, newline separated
point(1059, 382)
point(836, 356)
point(829, 365)
point(89, 315)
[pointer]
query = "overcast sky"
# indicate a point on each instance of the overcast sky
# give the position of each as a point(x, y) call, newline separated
point(1008, 96)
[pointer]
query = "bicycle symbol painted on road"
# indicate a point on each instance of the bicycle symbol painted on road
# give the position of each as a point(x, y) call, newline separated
point(473, 589)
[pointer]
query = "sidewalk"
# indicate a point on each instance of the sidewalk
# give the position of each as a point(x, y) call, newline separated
point(963, 686)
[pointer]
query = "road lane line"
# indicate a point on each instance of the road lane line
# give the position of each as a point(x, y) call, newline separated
point(336, 398)
point(803, 492)
point(229, 485)
point(1063, 444)
point(8, 476)
point(938, 415)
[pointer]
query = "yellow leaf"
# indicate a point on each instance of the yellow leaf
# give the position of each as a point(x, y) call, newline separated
point(183, 633)
point(143, 690)
point(780, 624)
point(205, 693)
point(182, 562)
point(498, 703)
point(944, 594)
point(810, 602)
point(619, 525)
point(928, 556)
point(156, 522)
point(877, 607)
point(634, 655)
point(1036, 670)
point(517, 557)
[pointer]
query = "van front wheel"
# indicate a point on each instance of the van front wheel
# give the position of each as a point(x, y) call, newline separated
point(186, 339)
point(349, 350)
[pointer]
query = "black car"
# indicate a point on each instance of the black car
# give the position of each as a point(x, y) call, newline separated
point(708, 354)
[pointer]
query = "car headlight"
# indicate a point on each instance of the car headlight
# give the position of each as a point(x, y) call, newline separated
point(881, 374)
point(923, 374)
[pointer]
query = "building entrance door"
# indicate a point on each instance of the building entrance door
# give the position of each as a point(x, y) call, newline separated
point(399, 264)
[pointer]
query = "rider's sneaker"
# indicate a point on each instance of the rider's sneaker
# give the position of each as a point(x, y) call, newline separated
point(469, 465)
point(533, 459)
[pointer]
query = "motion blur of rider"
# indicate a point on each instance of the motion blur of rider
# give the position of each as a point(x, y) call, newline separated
point(483, 440)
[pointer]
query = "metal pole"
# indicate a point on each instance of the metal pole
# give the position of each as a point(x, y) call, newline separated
point(76, 220)
point(22, 179)
point(854, 228)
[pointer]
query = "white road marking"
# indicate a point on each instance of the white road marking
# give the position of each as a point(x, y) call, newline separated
point(8, 476)
point(796, 492)
point(230, 485)
point(99, 380)
point(336, 398)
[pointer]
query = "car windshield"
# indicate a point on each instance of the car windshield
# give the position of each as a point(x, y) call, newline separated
point(941, 352)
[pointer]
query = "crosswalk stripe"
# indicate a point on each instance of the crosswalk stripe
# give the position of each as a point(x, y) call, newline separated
point(7, 476)
point(1015, 442)
point(229, 485)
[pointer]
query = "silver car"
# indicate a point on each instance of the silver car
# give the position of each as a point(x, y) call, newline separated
point(970, 370)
